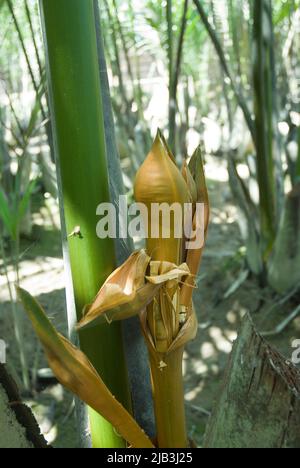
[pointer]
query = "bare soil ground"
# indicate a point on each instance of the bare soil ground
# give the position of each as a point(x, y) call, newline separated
point(219, 316)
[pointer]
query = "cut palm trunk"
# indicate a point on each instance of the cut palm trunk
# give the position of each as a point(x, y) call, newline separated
point(259, 406)
point(18, 428)
point(77, 113)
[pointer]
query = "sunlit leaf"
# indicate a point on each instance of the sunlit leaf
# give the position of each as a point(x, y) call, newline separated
point(283, 13)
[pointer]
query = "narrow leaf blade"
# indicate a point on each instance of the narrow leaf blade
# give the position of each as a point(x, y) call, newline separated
point(23, 205)
point(5, 214)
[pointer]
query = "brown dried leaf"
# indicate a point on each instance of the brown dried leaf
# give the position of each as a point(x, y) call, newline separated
point(187, 333)
point(123, 294)
point(73, 370)
point(193, 257)
point(196, 167)
point(163, 272)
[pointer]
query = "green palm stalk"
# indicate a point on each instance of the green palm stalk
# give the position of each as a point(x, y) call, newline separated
point(77, 113)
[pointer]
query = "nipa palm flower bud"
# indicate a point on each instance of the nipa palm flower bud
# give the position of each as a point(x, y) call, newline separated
point(158, 286)
point(159, 181)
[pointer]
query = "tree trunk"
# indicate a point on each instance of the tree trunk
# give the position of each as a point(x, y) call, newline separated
point(18, 428)
point(259, 406)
